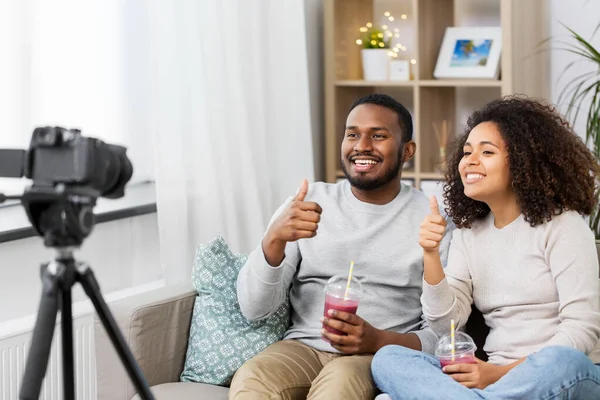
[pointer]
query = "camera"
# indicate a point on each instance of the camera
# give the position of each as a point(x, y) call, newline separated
point(69, 172)
point(59, 155)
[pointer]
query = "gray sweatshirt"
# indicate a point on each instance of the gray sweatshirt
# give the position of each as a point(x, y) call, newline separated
point(536, 287)
point(382, 240)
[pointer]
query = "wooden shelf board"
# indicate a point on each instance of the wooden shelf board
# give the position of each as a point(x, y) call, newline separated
point(431, 175)
point(408, 174)
point(423, 83)
point(360, 82)
point(460, 83)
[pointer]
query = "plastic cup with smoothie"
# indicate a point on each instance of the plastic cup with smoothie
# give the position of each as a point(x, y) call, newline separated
point(464, 349)
point(337, 298)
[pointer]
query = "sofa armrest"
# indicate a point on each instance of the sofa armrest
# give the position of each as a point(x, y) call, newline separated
point(156, 327)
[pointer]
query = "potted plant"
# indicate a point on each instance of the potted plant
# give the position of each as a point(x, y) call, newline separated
point(576, 94)
point(375, 44)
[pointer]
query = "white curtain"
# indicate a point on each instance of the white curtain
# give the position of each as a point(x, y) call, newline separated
point(231, 123)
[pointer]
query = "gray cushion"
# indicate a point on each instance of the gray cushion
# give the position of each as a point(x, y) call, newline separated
point(188, 391)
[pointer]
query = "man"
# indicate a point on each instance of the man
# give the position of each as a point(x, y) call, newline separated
point(371, 219)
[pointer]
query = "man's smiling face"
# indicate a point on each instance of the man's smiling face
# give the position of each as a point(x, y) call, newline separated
point(372, 149)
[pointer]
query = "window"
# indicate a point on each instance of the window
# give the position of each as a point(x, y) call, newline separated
point(78, 65)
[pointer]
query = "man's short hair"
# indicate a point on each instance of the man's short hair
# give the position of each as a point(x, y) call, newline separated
point(404, 117)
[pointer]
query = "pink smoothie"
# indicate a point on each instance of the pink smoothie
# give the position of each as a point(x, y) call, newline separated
point(459, 359)
point(335, 303)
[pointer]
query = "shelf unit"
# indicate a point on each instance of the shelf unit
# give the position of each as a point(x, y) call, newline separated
point(523, 69)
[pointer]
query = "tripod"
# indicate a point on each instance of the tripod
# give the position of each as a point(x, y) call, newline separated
point(58, 277)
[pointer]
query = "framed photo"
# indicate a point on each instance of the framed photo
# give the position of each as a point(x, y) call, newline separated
point(470, 52)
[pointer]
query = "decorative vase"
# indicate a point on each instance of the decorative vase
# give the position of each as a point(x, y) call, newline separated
point(375, 63)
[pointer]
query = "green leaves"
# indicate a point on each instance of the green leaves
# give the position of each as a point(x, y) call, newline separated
point(375, 39)
point(579, 90)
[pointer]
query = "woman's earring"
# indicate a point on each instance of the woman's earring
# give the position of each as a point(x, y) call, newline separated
point(513, 185)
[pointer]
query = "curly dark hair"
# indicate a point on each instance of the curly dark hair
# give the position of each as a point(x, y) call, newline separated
point(551, 168)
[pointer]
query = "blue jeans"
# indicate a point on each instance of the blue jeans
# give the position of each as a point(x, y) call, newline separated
point(552, 373)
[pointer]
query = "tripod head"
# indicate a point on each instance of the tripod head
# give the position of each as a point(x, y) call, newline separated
point(62, 215)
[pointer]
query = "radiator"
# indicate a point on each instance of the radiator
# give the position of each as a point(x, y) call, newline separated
point(13, 356)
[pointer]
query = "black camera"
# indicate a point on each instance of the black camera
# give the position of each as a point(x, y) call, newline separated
point(69, 172)
point(59, 155)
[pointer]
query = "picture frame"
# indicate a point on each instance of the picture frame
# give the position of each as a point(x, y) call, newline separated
point(469, 53)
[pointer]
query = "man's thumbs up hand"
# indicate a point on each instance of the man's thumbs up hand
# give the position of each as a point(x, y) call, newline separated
point(432, 228)
point(301, 194)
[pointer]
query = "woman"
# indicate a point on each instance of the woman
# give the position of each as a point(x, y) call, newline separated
point(517, 186)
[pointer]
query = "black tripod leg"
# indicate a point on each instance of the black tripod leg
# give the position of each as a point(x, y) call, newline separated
point(67, 344)
point(41, 342)
point(92, 289)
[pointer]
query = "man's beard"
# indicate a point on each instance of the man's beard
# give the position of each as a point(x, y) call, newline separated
point(362, 182)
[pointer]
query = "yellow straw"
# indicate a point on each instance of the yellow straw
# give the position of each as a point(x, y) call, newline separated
point(349, 280)
point(452, 338)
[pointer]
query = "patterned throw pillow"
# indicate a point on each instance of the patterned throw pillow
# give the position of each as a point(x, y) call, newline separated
point(221, 339)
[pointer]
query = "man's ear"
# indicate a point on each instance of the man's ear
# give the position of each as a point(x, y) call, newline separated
point(409, 151)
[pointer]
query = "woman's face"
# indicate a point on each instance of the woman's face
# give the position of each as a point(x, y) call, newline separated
point(484, 168)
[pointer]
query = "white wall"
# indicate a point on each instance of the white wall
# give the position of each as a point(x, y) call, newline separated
point(122, 254)
point(583, 16)
point(314, 46)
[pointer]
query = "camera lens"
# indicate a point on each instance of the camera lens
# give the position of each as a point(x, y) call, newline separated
point(118, 170)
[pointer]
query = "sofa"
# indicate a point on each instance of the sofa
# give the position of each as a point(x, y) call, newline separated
point(156, 326)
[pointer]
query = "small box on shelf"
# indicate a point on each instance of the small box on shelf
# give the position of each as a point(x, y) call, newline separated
point(399, 70)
